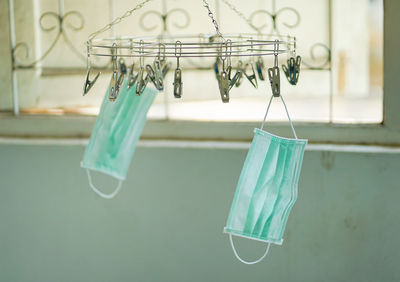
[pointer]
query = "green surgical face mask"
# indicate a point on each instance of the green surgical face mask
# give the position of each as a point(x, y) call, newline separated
point(115, 134)
point(267, 188)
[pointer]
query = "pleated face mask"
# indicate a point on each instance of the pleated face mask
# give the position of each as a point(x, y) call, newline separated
point(267, 188)
point(115, 134)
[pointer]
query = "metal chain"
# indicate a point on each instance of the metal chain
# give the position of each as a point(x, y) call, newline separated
point(118, 20)
point(211, 15)
point(241, 15)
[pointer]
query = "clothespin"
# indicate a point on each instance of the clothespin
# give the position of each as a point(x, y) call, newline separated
point(158, 75)
point(223, 83)
point(132, 77)
point(216, 67)
point(156, 72)
point(116, 78)
point(251, 77)
point(292, 70)
point(240, 72)
point(122, 66)
point(141, 80)
point(165, 69)
point(260, 68)
point(223, 77)
point(233, 80)
point(89, 83)
point(178, 84)
point(273, 73)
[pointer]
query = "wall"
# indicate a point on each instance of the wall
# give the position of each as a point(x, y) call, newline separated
point(166, 224)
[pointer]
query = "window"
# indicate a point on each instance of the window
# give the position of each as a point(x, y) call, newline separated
point(341, 81)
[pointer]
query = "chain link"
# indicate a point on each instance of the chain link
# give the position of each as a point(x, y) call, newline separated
point(119, 19)
point(141, 5)
point(241, 15)
point(214, 21)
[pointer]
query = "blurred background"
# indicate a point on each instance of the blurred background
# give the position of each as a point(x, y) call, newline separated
point(167, 222)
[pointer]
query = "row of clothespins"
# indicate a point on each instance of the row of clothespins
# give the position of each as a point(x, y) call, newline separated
point(157, 71)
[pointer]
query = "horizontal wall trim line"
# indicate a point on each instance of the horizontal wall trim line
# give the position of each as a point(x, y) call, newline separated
point(201, 145)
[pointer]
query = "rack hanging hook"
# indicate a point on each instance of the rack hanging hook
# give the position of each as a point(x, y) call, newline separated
point(178, 84)
point(273, 73)
point(89, 83)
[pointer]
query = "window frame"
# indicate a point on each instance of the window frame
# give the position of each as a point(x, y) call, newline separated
point(385, 133)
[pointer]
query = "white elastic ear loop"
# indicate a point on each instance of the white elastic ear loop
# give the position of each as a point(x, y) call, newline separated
point(247, 262)
point(287, 113)
point(101, 194)
point(290, 121)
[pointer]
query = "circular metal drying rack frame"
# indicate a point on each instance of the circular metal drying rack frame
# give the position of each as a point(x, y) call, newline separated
point(191, 46)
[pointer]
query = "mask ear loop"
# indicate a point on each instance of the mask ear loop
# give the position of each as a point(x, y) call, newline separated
point(98, 192)
point(276, 48)
point(242, 260)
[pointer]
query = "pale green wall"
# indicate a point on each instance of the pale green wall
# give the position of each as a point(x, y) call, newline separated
point(166, 224)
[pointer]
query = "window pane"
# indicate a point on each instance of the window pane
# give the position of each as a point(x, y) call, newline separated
point(358, 61)
point(347, 88)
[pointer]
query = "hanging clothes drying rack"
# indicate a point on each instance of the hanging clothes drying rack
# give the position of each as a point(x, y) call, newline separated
point(223, 48)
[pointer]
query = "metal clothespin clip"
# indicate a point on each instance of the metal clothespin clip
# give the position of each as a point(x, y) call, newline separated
point(158, 75)
point(252, 77)
point(178, 84)
point(132, 77)
point(116, 78)
point(165, 69)
point(122, 66)
point(216, 67)
point(165, 66)
point(141, 80)
point(89, 83)
point(223, 78)
point(260, 68)
point(155, 72)
point(274, 75)
point(233, 80)
point(292, 70)
point(240, 73)
point(151, 74)
point(223, 83)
